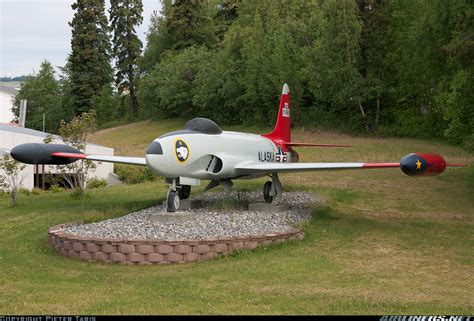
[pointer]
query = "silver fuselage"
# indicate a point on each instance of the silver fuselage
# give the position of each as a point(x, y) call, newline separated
point(211, 156)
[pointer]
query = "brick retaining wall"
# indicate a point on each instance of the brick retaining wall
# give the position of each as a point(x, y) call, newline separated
point(158, 251)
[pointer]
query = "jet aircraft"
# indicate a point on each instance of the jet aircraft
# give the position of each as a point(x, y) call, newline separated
point(203, 151)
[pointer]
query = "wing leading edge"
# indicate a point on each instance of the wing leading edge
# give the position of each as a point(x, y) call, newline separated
point(257, 168)
point(104, 158)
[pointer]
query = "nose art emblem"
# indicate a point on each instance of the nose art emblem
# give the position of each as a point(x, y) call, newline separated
point(181, 151)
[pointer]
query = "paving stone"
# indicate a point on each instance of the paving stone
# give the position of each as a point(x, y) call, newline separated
point(164, 249)
point(117, 257)
point(155, 257)
point(100, 256)
point(145, 249)
point(91, 247)
point(87, 256)
point(135, 257)
point(107, 248)
point(126, 248)
point(201, 248)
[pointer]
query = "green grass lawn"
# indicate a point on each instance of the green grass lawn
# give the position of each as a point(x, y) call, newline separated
point(383, 244)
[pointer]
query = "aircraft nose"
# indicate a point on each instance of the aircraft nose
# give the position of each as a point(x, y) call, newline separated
point(155, 149)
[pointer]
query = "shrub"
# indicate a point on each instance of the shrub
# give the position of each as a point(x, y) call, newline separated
point(24, 191)
point(97, 183)
point(134, 175)
point(37, 191)
point(469, 143)
point(79, 194)
point(56, 189)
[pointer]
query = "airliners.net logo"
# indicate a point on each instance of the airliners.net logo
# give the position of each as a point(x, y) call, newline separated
point(425, 318)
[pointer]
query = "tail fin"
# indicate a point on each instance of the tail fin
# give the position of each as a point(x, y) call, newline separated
point(282, 131)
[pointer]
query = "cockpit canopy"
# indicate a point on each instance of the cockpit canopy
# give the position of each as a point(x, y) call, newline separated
point(203, 125)
point(198, 125)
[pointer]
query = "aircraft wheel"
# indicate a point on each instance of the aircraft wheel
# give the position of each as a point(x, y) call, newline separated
point(184, 191)
point(266, 192)
point(173, 202)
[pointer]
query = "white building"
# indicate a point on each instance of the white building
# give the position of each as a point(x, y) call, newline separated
point(6, 103)
point(10, 136)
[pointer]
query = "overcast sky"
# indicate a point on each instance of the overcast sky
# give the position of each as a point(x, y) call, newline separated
point(34, 30)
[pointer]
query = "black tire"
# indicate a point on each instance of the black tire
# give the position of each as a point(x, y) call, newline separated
point(184, 192)
point(172, 202)
point(266, 192)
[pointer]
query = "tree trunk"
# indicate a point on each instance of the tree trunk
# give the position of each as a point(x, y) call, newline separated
point(349, 58)
point(377, 113)
point(13, 197)
point(133, 96)
point(122, 105)
point(364, 118)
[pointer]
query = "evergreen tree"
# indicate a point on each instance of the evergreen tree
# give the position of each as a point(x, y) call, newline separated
point(67, 101)
point(227, 12)
point(158, 39)
point(125, 15)
point(190, 23)
point(44, 97)
point(89, 60)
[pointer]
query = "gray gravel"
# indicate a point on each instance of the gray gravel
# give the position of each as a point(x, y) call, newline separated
point(215, 219)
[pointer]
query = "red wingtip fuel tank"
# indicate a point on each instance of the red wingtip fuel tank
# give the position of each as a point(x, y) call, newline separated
point(418, 164)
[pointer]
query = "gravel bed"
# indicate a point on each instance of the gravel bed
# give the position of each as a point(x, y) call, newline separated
point(221, 215)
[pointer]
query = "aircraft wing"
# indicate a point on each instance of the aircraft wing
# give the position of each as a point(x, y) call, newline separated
point(104, 158)
point(414, 164)
point(260, 168)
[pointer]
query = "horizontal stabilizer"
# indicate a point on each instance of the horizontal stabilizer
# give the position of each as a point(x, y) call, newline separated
point(313, 145)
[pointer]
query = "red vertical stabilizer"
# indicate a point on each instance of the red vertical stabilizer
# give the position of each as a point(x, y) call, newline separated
point(281, 134)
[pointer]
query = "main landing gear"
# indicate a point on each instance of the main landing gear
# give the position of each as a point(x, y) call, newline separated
point(175, 194)
point(272, 190)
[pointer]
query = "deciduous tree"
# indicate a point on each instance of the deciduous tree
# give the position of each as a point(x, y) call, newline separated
point(75, 133)
point(43, 93)
point(12, 179)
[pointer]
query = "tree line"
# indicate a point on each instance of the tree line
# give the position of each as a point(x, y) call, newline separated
point(401, 68)
point(13, 79)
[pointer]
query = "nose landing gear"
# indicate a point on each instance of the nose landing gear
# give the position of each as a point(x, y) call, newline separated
point(184, 191)
point(175, 194)
point(172, 203)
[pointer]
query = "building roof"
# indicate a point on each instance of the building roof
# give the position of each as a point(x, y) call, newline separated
point(9, 90)
point(31, 132)
point(25, 131)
